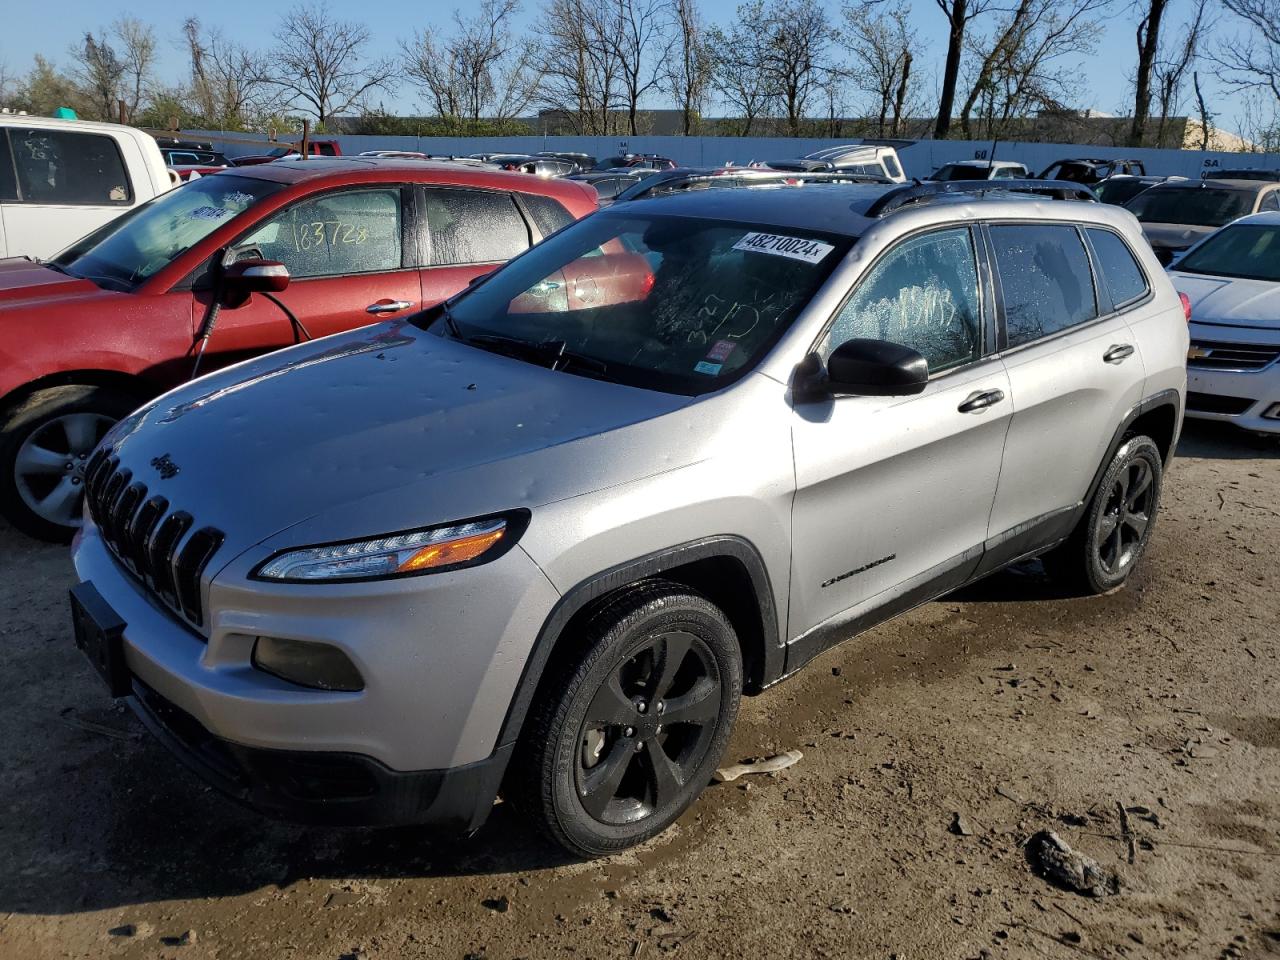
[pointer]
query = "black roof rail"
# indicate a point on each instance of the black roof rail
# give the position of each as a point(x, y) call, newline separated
point(918, 192)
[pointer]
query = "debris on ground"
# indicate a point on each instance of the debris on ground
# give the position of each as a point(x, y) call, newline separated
point(960, 826)
point(498, 904)
point(768, 765)
point(1055, 861)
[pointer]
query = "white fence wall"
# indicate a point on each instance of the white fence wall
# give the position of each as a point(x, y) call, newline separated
point(919, 159)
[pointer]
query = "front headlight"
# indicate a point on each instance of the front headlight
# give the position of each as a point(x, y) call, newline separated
point(399, 554)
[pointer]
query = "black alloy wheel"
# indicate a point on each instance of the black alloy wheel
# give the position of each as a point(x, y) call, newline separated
point(1122, 523)
point(647, 728)
point(635, 709)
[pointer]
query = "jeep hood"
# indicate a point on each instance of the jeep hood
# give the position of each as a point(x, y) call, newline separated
point(1229, 301)
point(382, 429)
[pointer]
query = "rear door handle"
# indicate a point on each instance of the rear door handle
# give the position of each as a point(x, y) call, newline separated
point(981, 400)
point(1118, 353)
point(388, 306)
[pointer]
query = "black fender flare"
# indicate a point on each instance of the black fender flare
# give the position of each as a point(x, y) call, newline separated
point(1165, 398)
point(773, 652)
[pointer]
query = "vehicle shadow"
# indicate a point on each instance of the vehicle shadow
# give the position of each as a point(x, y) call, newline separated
point(1209, 440)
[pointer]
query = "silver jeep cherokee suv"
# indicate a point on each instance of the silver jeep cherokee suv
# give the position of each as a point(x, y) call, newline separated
point(539, 540)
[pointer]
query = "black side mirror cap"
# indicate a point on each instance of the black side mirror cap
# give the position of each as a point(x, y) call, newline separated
point(862, 367)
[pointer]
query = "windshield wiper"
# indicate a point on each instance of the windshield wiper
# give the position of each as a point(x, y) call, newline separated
point(550, 352)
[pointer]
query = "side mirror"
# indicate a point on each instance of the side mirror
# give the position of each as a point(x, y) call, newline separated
point(867, 368)
point(242, 279)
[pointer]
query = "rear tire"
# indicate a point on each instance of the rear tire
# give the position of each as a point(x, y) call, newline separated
point(615, 752)
point(45, 442)
point(1111, 537)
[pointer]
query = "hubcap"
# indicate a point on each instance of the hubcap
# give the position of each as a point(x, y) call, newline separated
point(49, 468)
point(647, 729)
point(1125, 517)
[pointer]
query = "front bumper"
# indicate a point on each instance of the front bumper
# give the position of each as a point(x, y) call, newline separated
point(336, 789)
point(1239, 397)
point(441, 657)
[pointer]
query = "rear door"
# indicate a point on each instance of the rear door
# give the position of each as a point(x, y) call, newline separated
point(468, 232)
point(350, 254)
point(1075, 371)
point(893, 493)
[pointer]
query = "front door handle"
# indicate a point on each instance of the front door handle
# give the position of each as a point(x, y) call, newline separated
point(979, 401)
point(1118, 353)
point(387, 306)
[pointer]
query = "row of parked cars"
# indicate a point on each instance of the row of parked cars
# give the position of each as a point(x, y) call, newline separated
point(407, 485)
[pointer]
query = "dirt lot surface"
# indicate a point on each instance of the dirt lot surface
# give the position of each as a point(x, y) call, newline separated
point(1010, 705)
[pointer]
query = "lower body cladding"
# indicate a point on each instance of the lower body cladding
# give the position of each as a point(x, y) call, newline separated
point(1234, 376)
point(439, 657)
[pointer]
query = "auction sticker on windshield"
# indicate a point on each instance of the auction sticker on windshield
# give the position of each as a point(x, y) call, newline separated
point(794, 248)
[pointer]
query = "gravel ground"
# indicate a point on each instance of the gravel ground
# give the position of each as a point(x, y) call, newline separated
point(1008, 704)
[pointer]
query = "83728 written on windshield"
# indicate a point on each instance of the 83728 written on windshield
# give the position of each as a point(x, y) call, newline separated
point(668, 303)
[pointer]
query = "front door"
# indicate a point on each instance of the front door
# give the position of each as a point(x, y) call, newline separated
point(893, 495)
point(345, 251)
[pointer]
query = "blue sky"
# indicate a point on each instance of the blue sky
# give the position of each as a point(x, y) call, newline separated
point(30, 29)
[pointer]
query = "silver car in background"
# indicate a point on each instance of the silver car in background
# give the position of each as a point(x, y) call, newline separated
point(539, 540)
point(1232, 279)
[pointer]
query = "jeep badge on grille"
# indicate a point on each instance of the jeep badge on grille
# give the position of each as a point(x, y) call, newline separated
point(165, 466)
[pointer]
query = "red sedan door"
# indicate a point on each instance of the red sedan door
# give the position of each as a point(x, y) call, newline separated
point(351, 262)
point(469, 233)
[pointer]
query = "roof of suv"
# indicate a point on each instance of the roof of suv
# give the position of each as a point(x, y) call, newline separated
point(343, 170)
point(843, 208)
point(1244, 186)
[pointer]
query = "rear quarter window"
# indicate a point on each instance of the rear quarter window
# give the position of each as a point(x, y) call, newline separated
point(64, 167)
point(1045, 279)
point(1120, 271)
point(549, 215)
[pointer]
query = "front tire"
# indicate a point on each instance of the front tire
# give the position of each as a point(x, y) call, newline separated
point(1110, 539)
point(615, 753)
point(45, 442)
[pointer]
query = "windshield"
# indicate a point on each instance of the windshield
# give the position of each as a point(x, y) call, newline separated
point(1248, 251)
point(666, 303)
point(134, 247)
point(954, 171)
point(1120, 192)
point(1196, 207)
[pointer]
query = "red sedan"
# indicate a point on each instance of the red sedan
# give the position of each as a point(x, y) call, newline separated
point(224, 268)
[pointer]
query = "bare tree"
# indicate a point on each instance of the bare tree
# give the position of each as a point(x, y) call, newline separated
point(137, 58)
point(581, 71)
point(320, 63)
point(1206, 120)
point(638, 32)
point(1020, 68)
point(479, 69)
point(1171, 66)
point(959, 14)
point(8, 84)
point(691, 65)
point(880, 48)
point(1147, 37)
point(230, 84)
point(1252, 62)
point(738, 55)
point(98, 71)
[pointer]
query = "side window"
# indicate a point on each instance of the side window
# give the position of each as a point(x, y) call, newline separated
point(8, 181)
point(922, 294)
point(1119, 269)
point(66, 167)
point(891, 164)
point(1271, 201)
point(473, 226)
point(550, 216)
point(356, 231)
point(1045, 276)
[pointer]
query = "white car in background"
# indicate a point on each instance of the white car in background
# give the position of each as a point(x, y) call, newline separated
point(62, 179)
point(1232, 278)
point(980, 170)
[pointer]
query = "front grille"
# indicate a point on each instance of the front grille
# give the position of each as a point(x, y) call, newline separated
point(1214, 355)
point(1213, 403)
point(156, 544)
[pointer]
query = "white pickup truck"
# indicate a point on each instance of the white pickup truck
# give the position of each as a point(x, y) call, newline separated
point(62, 179)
